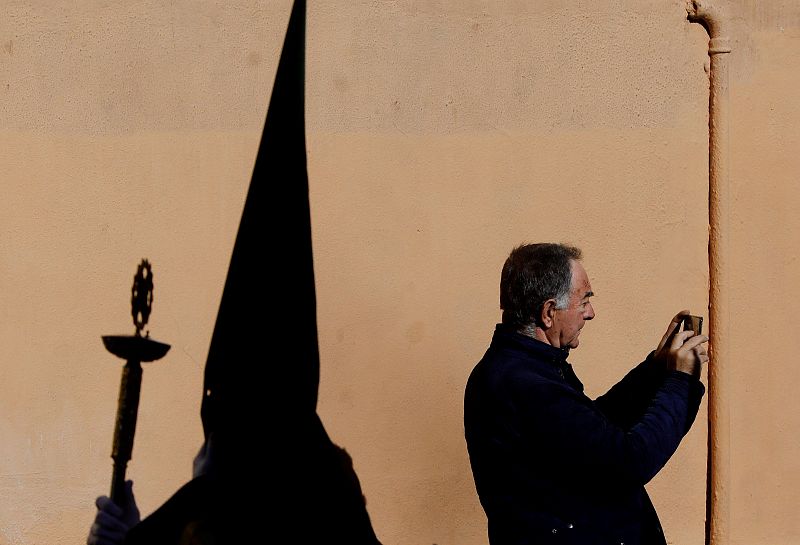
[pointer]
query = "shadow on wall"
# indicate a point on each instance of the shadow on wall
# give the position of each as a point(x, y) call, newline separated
point(268, 468)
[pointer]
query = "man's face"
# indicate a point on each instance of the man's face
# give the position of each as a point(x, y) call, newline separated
point(568, 322)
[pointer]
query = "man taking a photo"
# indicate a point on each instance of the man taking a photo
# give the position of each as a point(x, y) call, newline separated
point(550, 464)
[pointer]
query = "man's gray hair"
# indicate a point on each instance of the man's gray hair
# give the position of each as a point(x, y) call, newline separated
point(532, 274)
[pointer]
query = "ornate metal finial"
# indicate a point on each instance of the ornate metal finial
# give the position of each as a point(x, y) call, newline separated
point(142, 295)
point(135, 350)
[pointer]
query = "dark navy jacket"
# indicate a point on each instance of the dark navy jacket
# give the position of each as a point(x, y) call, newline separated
point(553, 466)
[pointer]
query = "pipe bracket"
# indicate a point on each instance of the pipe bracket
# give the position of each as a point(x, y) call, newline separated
point(719, 45)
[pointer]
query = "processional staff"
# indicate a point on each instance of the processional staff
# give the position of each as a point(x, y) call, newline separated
point(135, 350)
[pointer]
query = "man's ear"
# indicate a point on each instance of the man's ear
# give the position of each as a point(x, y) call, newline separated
point(546, 316)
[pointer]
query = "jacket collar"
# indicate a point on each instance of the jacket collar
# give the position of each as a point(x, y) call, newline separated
point(555, 359)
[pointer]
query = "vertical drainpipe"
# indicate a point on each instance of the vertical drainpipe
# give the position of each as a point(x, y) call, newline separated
point(718, 482)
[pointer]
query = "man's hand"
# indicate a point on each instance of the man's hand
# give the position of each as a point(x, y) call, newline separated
point(682, 351)
point(112, 522)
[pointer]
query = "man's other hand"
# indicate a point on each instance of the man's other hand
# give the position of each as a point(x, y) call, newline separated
point(682, 351)
point(112, 522)
point(673, 327)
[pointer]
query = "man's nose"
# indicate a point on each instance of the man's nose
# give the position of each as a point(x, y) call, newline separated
point(589, 312)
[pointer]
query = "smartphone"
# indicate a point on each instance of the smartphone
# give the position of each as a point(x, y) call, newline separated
point(693, 323)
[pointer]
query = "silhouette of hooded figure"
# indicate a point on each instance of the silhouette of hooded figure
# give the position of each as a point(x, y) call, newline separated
point(268, 470)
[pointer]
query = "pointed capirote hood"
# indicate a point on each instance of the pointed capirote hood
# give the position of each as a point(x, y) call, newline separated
point(263, 360)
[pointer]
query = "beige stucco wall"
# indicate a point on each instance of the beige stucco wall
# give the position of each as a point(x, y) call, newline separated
point(440, 134)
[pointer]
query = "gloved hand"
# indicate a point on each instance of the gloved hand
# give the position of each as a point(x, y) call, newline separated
point(112, 522)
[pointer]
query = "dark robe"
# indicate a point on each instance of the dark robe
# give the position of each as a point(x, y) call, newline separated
point(275, 476)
